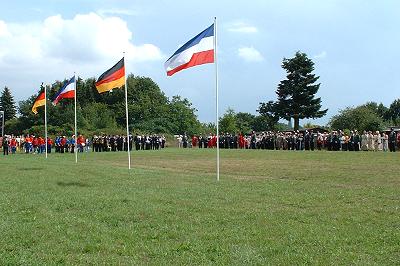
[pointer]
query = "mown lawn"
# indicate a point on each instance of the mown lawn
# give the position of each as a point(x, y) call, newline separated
point(270, 207)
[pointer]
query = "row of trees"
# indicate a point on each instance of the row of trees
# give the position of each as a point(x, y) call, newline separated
point(370, 117)
point(150, 111)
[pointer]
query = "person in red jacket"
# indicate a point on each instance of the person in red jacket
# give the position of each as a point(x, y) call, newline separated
point(213, 141)
point(28, 144)
point(49, 145)
point(81, 143)
point(42, 145)
point(194, 141)
point(64, 146)
point(35, 143)
point(398, 140)
point(13, 145)
point(241, 141)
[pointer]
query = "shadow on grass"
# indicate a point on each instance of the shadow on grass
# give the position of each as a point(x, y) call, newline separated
point(72, 184)
point(30, 168)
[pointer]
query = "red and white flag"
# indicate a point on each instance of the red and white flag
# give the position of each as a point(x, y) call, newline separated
point(199, 50)
point(66, 92)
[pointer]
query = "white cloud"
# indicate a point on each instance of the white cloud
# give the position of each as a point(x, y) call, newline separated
point(241, 27)
point(85, 38)
point(250, 54)
point(55, 48)
point(3, 29)
point(321, 55)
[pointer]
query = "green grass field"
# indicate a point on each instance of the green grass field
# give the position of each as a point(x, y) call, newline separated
point(270, 207)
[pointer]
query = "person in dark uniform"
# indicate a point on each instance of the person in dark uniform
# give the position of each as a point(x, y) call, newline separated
point(136, 139)
point(94, 144)
point(142, 142)
point(205, 142)
point(221, 140)
point(263, 141)
point(100, 143)
point(112, 143)
point(293, 141)
point(253, 140)
point(307, 141)
point(226, 141)
point(120, 143)
point(147, 143)
point(5, 145)
point(392, 140)
point(235, 141)
point(350, 144)
point(130, 138)
point(356, 141)
point(312, 140)
point(163, 141)
point(156, 143)
point(335, 142)
point(185, 141)
point(200, 140)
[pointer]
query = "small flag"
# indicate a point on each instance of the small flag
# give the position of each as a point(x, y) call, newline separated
point(197, 51)
point(112, 78)
point(40, 101)
point(66, 92)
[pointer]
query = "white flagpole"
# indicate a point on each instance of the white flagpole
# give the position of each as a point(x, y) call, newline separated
point(76, 131)
point(216, 92)
point(45, 118)
point(127, 119)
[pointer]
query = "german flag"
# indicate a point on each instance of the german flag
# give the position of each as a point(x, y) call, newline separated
point(40, 101)
point(112, 78)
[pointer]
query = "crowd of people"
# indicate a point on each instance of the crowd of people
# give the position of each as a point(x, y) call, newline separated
point(289, 140)
point(37, 144)
point(105, 143)
point(62, 144)
point(296, 140)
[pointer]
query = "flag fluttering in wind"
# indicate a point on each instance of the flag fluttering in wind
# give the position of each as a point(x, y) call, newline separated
point(40, 101)
point(112, 78)
point(66, 92)
point(115, 78)
point(199, 50)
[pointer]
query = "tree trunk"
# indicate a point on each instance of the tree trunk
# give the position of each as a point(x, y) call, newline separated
point(296, 122)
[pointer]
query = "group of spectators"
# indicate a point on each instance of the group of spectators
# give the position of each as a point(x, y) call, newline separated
point(290, 140)
point(37, 144)
point(106, 143)
point(296, 140)
point(62, 144)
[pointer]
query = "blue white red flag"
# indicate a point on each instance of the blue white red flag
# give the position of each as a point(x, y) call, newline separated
point(66, 92)
point(197, 51)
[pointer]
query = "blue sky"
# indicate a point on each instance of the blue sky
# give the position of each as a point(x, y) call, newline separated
point(354, 44)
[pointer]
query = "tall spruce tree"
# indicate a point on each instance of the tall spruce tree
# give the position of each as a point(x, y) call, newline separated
point(7, 104)
point(296, 93)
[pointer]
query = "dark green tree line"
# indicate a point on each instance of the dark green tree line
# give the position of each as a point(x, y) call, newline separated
point(150, 111)
point(370, 116)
